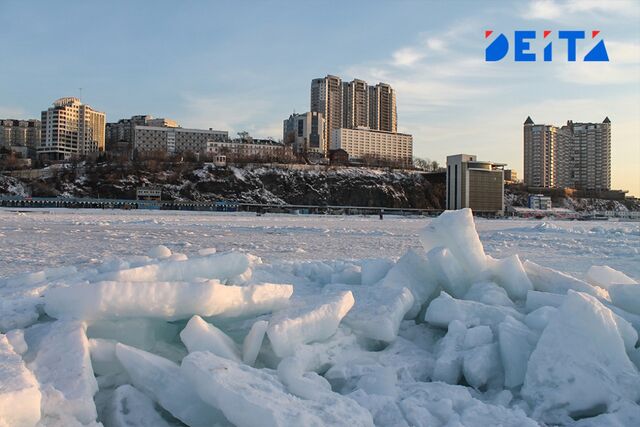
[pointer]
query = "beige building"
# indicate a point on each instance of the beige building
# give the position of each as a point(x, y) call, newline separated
point(363, 143)
point(306, 133)
point(355, 104)
point(173, 140)
point(577, 155)
point(474, 184)
point(71, 129)
point(326, 98)
point(20, 135)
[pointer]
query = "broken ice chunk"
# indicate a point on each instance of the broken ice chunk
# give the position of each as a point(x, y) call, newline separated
point(199, 335)
point(549, 280)
point(456, 231)
point(162, 380)
point(253, 342)
point(19, 390)
point(510, 274)
point(414, 272)
point(445, 309)
point(516, 345)
point(573, 373)
point(254, 397)
point(59, 357)
point(378, 310)
point(627, 297)
point(604, 276)
point(166, 300)
point(315, 321)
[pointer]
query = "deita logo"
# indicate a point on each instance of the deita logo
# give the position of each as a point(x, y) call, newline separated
point(524, 52)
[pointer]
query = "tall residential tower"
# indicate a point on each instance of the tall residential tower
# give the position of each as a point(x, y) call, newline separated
point(577, 155)
point(326, 98)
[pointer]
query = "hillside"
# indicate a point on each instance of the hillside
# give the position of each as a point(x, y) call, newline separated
point(261, 184)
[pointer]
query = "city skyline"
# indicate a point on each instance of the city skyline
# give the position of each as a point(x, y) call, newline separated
point(208, 72)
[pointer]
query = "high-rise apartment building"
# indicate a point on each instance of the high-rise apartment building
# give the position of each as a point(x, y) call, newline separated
point(355, 104)
point(383, 114)
point(474, 184)
point(589, 155)
point(306, 133)
point(577, 155)
point(71, 128)
point(326, 98)
point(20, 135)
point(540, 154)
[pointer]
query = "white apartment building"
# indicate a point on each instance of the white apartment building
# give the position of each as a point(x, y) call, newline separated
point(306, 133)
point(173, 140)
point(363, 143)
point(71, 128)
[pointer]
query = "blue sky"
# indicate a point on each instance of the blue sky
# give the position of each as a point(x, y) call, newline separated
point(245, 65)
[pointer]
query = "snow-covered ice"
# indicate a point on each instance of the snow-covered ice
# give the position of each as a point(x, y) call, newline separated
point(202, 319)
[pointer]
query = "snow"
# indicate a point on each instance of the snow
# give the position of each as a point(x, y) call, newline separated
point(187, 318)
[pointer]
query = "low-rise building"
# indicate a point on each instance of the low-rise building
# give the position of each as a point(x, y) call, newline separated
point(510, 176)
point(120, 135)
point(475, 184)
point(248, 149)
point(539, 201)
point(170, 140)
point(364, 144)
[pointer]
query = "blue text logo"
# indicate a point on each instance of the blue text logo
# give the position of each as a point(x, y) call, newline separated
point(523, 51)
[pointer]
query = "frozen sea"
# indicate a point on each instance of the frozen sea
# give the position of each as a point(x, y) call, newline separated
point(171, 319)
point(37, 239)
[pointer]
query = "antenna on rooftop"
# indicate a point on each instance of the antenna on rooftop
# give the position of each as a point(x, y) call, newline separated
point(80, 89)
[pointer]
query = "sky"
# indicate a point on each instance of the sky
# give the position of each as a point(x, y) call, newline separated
point(246, 65)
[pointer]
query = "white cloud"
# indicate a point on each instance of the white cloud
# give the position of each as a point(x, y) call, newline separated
point(407, 56)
